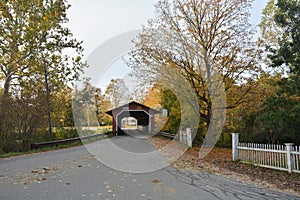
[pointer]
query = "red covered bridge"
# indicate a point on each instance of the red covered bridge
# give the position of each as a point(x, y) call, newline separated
point(143, 115)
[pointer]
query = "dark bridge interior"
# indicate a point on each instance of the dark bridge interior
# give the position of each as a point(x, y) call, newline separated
point(141, 117)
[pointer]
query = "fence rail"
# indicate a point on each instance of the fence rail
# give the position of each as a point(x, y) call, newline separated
point(165, 134)
point(66, 141)
point(281, 157)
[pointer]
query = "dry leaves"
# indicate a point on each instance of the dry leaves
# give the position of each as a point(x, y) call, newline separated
point(218, 161)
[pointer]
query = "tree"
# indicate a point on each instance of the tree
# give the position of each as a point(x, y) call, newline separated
point(117, 92)
point(268, 27)
point(201, 39)
point(33, 34)
point(161, 98)
point(278, 120)
point(102, 105)
point(34, 39)
point(171, 103)
point(139, 93)
point(153, 97)
point(287, 18)
point(243, 119)
point(84, 105)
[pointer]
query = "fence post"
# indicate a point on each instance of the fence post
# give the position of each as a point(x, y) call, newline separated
point(288, 156)
point(235, 142)
point(181, 136)
point(189, 137)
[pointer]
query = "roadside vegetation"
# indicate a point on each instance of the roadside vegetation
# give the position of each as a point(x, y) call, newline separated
point(45, 149)
point(196, 38)
point(105, 130)
point(262, 85)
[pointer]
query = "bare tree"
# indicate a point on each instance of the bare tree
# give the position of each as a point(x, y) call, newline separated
point(117, 92)
point(200, 39)
point(102, 105)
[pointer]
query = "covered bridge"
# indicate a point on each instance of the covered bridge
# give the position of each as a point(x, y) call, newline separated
point(143, 115)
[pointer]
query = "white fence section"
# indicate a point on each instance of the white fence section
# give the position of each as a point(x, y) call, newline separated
point(282, 157)
point(186, 137)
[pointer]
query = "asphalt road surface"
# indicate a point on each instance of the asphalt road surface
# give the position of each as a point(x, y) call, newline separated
point(75, 173)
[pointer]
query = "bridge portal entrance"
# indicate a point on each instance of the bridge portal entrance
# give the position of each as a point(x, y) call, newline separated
point(132, 116)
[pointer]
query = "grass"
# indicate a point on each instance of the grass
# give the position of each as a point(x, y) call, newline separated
point(101, 130)
point(45, 149)
point(295, 176)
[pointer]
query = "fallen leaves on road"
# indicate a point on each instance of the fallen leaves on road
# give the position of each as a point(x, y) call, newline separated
point(218, 161)
point(155, 181)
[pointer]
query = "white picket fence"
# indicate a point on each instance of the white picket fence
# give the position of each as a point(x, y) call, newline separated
point(281, 157)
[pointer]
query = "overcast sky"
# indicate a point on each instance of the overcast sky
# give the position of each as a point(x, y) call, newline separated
point(96, 21)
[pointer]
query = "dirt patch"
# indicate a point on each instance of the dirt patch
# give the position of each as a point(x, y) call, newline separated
point(218, 161)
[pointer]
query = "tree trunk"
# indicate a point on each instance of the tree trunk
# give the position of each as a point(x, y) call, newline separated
point(4, 106)
point(48, 102)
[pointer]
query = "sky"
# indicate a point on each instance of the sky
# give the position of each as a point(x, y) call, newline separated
point(96, 21)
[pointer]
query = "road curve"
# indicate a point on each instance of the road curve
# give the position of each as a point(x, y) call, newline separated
point(74, 173)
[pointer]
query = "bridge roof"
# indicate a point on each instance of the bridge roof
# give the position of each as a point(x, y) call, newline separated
point(132, 106)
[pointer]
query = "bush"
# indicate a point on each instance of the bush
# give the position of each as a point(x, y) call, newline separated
point(65, 133)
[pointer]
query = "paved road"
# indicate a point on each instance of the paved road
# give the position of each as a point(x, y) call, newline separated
point(75, 174)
